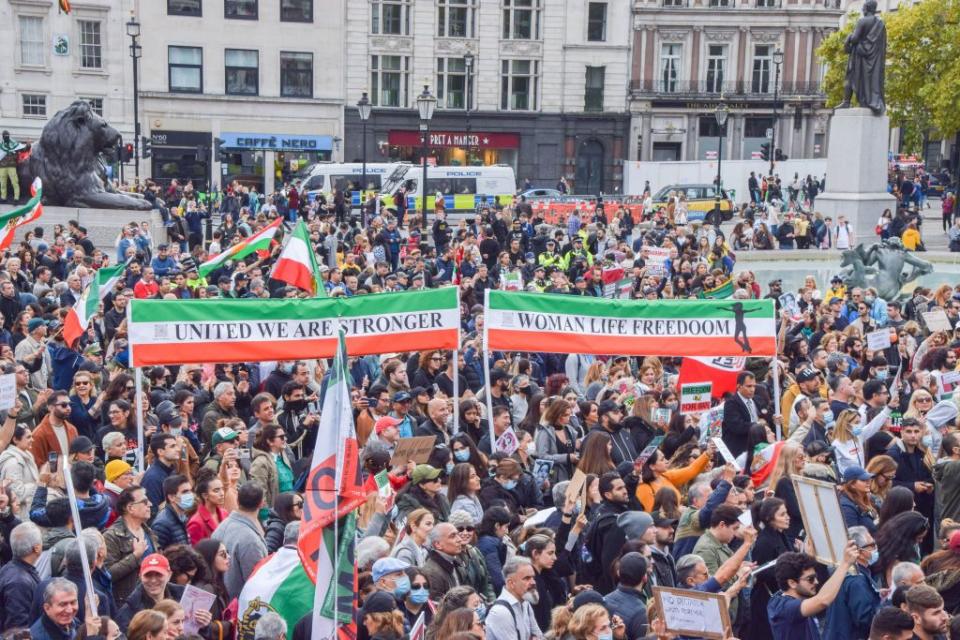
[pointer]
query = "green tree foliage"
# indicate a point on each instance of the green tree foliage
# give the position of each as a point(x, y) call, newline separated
point(923, 67)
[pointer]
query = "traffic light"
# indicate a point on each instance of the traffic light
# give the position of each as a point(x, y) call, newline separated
point(219, 151)
point(126, 152)
point(780, 155)
point(145, 148)
point(765, 151)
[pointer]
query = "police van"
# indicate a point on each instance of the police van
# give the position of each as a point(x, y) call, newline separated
point(462, 188)
point(324, 177)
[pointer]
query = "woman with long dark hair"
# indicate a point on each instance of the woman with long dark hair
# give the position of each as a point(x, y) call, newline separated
point(535, 409)
point(120, 388)
point(773, 521)
point(464, 449)
point(287, 508)
point(898, 540)
point(595, 453)
point(491, 534)
point(898, 500)
point(463, 489)
point(656, 474)
point(470, 421)
point(556, 440)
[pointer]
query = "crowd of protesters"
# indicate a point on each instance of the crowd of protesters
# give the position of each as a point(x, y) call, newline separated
point(473, 543)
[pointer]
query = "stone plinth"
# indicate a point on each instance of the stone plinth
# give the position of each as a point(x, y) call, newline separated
point(103, 225)
point(857, 170)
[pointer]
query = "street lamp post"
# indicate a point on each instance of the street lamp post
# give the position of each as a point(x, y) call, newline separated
point(363, 108)
point(468, 67)
point(133, 30)
point(721, 114)
point(426, 103)
point(777, 61)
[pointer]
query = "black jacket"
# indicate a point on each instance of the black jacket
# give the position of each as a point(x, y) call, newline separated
point(139, 601)
point(603, 539)
point(18, 580)
point(169, 528)
point(736, 424)
point(770, 545)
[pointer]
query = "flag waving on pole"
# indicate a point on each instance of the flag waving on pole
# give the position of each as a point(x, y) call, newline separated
point(297, 264)
point(260, 241)
point(33, 209)
point(78, 318)
point(334, 490)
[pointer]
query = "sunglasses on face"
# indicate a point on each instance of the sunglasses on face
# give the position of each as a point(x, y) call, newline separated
point(465, 529)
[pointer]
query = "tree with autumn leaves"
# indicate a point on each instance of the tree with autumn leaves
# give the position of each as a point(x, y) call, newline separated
point(923, 67)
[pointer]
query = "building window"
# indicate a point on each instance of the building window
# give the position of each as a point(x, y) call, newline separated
point(721, 3)
point(242, 72)
point(240, 9)
point(597, 22)
point(96, 105)
point(756, 127)
point(296, 10)
point(669, 67)
point(389, 80)
point(456, 18)
point(90, 45)
point(34, 106)
point(186, 69)
point(521, 19)
point(296, 74)
point(518, 85)
point(31, 40)
point(390, 17)
point(185, 8)
point(716, 61)
point(708, 127)
point(451, 83)
point(674, 3)
point(762, 62)
point(593, 92)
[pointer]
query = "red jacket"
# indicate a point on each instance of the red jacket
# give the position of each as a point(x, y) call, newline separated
point(45, 440)
point(143, 290)
point(201, 525)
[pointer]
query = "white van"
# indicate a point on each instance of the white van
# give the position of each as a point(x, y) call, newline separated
point(463, 188)
point(345, 176)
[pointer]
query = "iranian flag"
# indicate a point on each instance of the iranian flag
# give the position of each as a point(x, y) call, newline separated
point(720, 292)
point(515, 321)
point(279, 584)
point(334, 490)
point(297, 264)
point(78, 318)
point(19, 216)
point(260, 241)
point(721, 371)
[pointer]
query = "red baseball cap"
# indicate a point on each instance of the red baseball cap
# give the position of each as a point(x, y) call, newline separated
point(154, 563)
point(386, 422)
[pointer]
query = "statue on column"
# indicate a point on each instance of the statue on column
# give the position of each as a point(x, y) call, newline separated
point(867, 47)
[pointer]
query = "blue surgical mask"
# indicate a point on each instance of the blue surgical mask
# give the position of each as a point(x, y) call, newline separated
point(401, 587)
point(419, 596)
point(176, 432)
point(605, 636)
point(927, 441)
point(481, 611)
point(394, 512)
point(186, 501)
point(462, 455)
point(857, 430)
point(882, 374)
point(510, 484)
point(874, 557)
point(828, 417)
point(449, 467)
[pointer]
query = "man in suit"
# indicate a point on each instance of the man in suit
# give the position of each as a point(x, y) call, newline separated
point(739, 412)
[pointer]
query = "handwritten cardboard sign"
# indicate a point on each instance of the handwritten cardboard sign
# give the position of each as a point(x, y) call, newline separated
point(693, 613)
point(728, 456)
point(937, 320)
point(417, 449)
point(878, 340)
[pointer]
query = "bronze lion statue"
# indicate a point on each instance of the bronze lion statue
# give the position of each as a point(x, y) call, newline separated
point(69, 159)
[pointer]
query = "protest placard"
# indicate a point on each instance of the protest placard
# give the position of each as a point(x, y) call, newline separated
point(788, 302)
point(711, 422)
point(656, 260)
point(508, 442)
point(695, 397)
point(541, 470)
point(878, 340)
point(417, 449)
point(937, 320)
point(726, 453)
point(693, 613)
point(822, 519)
point(195, 599)
point(648, 451)
point(8, 391)
point(576, 485)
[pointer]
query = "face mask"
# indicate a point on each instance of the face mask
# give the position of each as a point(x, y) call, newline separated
point(176, 432)
point(531, 448)
point(394, 512)
point(672, 405)
point(481, 611)
point(295, 405)
point(510, 484)
point(449, 467)
point(605, 636)
point(828, 417)
point(401, 587)
point(857, 430)
point(869, 299)
point(927, 441)
point(462, 455)
point(882, 374)
point(533, 597)
point(874, 557)
point(419, 596)
point(186, 501)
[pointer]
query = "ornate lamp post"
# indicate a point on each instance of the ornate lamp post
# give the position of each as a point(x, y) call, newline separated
point(721, 113)
point(426, 103)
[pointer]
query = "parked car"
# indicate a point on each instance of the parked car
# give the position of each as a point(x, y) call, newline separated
point(701, 201)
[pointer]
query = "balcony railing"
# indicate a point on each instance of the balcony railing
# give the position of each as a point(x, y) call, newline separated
point(745, 89)
point(721, 4)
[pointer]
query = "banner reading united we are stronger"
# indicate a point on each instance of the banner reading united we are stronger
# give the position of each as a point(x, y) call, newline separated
point(517, 321)
point(164, 332)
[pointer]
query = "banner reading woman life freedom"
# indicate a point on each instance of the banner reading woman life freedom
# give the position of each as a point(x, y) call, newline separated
point(571, 324)
point(164, 332)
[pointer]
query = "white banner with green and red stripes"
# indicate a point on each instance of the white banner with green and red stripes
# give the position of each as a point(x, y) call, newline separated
point(166, 332)
point(516, 321)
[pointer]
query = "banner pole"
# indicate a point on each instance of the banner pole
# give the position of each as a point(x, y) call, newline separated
point(486, 369)
point(78, 530)
point(138, 381)
point(456, 391)
point(776, 395)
